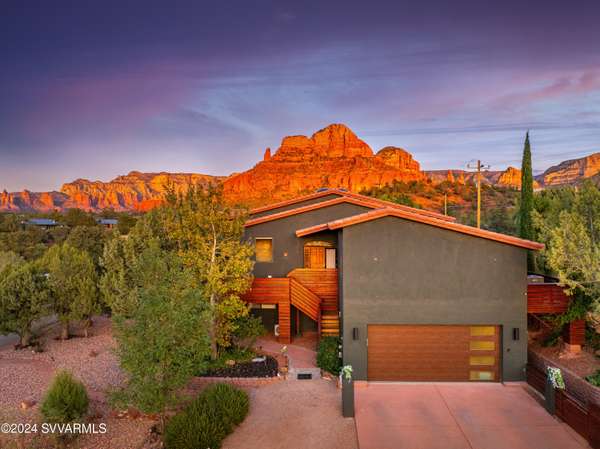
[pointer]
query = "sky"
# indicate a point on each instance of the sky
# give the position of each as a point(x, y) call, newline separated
point(95, 89)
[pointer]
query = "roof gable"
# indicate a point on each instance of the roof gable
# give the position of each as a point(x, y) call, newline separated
point(357, 196)
point(310, 207)
point(390, 212)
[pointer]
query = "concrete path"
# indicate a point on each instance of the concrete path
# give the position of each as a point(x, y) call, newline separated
point(456, 416)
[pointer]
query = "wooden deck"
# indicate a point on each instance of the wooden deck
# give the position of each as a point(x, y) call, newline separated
point(546, 298)
point(312, 291)
point(550, 299)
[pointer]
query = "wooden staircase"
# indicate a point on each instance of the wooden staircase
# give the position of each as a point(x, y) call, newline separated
point(330, 324)
point(307, 286)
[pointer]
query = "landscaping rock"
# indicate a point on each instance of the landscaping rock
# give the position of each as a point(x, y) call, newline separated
point(27, 404)
point(267, 368)
point(230, 362)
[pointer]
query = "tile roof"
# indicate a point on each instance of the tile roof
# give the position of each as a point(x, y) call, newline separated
point(393, 212)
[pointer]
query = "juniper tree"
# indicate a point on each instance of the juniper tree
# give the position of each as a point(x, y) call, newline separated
point(23, 299)
point(72, 285)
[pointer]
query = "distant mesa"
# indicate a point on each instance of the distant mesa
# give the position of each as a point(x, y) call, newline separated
point(333, 157)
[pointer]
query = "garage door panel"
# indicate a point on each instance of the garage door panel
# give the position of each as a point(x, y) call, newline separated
point(431, 353)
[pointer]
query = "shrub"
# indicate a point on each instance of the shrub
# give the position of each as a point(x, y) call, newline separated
point(328, 355)
point(208, 419)
point(594, 379)
point(249, 328)
point(66, 400)
point(233, 401)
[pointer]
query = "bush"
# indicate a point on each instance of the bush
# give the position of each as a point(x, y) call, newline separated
point(66, 400)
point(249, 328)
point(233, 401)
point(328, 355)
point(594, 379)
point(208, 419)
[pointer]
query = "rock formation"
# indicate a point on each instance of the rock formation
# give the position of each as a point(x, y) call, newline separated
point(571, 171)
point(332, 157)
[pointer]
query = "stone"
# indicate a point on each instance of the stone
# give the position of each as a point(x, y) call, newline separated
point(230, 362)
point(93, 353)
point(27, 404)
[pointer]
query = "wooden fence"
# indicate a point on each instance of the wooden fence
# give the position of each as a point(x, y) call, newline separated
point(578, 405)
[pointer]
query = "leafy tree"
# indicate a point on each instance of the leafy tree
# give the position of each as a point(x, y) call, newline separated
point(28, 243)
point(78, 217)
point(165, 341)
point(526, 204)
point(89, 239)
point(125, 223)
point(208, 236)
point(72, 285)
point(23, 299)
point(118, 288)
point(9, 258)
point(575, 257)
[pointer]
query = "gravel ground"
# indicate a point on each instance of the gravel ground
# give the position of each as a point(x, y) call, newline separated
point(295, 415)
point(25, 375)
point(286, 414)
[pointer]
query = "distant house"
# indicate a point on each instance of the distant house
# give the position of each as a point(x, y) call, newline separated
point(108, 222)
point(45, 223)
point(414, 295)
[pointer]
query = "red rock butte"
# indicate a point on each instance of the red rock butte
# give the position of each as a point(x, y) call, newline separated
point(332, 157)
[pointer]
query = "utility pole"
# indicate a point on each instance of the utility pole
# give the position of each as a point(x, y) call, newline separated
point(445, 203)
point(479, 167)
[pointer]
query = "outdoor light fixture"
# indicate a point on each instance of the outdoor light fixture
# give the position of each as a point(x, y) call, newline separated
point(515, 333)
point(355, 333)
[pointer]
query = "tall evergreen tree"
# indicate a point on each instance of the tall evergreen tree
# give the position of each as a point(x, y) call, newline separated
point(526, 206)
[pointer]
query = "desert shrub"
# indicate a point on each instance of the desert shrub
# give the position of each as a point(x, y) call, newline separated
point(206, 421)
point(233, 401)
point(248, 329)
point(328, 355)
point(594, 379)
point(66, 400)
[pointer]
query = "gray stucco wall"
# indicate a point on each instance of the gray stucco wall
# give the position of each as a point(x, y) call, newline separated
point(401, 272)
point(296, 205)
point(283, 233)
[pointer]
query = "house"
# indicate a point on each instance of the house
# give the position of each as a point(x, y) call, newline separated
point(108, 223)
point(414, 295)
point(45, 223)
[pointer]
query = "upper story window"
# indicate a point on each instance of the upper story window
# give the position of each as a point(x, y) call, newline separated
point(264, 249)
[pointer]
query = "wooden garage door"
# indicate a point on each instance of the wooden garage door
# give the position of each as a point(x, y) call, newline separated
point(433, 353)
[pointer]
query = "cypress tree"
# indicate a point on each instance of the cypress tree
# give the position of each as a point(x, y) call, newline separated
point(526, 206)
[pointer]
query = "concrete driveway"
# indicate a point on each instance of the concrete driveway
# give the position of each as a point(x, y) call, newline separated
point(456, 416)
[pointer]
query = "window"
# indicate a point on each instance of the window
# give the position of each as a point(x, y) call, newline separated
point(264, 249)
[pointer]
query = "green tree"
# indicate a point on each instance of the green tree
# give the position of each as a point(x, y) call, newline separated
point(72, 285)
point(90, 239)
point(9, 258)
point(23, 299)
point(575, 257)
point(78, 217)
point(526, 204)
point(118, 286)
point(208, 236)
point(125, 223)
point(165, 341)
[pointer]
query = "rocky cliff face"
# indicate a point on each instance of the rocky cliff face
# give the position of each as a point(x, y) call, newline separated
point(134, 191)
point(571, 171)
point(332, 157)
point(27, 201)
